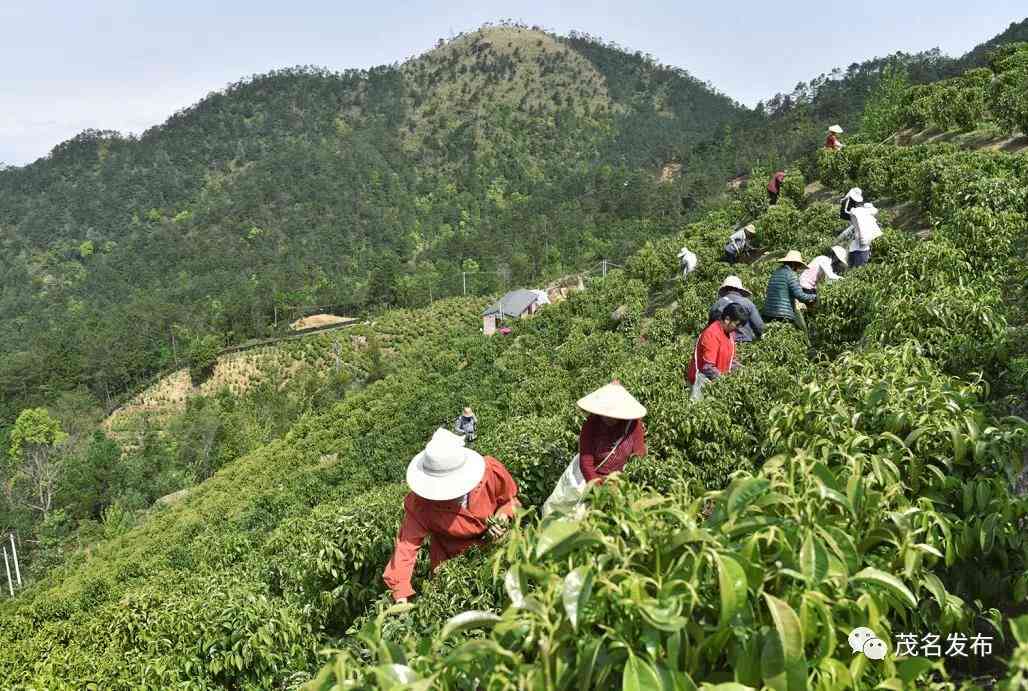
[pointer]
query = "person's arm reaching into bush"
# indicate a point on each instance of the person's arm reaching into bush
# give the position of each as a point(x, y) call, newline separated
point(398, 572)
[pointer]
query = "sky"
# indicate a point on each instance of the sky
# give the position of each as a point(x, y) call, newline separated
point(126, 66)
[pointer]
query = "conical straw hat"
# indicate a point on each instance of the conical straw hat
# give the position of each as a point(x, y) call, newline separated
point(613, 400)
point(793, 257)
point(836, 129)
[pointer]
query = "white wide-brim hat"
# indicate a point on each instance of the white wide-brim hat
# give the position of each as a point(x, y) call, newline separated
point(841, 255)
point(750, 228)
point(793, 257)
point(613, 400)
point(856, 194)
point(735, 283)
point(445, 469)
point(836, 129)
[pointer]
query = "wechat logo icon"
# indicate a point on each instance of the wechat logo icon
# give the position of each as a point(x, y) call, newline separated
point(864, 640)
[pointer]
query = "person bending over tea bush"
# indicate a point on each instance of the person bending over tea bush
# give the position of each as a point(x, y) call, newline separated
point(457, 497)
point(732, 292)
point(784, 290)
point(774, 188)
point(613, 434)
point(714, 354)
point(863, 231)
point(853, 198)
point(832, 140)
point(824, 267)
point(739, 243)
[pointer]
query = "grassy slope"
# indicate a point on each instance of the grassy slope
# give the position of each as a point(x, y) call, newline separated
point(271, 512)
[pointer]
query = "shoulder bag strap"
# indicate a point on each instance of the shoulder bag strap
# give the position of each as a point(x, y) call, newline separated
point(616, 445)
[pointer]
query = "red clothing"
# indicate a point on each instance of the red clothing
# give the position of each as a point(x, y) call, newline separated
point(597, 439)
point(450, 527)
point(832, 142)
point(775, 186)
point(715, 347)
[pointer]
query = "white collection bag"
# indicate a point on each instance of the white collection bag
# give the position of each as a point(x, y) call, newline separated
point(571, 485)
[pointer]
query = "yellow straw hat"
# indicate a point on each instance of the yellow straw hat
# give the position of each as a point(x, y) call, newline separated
point(793, 257)
point(613, 400)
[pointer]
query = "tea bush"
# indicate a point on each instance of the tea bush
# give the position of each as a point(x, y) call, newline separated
point(797, 500)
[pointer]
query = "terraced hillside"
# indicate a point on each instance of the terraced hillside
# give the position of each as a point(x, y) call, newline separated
point(864, 481)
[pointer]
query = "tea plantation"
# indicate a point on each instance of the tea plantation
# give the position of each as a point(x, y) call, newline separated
point(864, 481)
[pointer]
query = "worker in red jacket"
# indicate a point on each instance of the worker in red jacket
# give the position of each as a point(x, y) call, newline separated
point(454, 493)
point(714, 354)
point(774, 188)
point(612, 434)
point(832, 141)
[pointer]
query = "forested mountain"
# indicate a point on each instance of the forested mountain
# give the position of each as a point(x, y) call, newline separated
point(498, 159)
point(859, 474)
point(507, 153)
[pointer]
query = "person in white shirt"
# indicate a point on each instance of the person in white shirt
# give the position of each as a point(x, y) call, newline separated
point(688, 260)
point(739, 242)
point(863, 231)
point(853, 198)
point(826, 267)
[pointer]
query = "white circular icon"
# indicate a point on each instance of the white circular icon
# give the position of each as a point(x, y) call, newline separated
point(874, 648)
point(859, 636)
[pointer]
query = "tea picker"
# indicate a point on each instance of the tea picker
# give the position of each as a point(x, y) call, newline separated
point(784, 292)
point(861, 234)
point(732, 292)
point(613, 433)
point(688, 261)
point(457, 499)
point(832, 141)
point(466, 425)
point(714, 353)
point(824, 267)
point(739, 242)
point(774, 188)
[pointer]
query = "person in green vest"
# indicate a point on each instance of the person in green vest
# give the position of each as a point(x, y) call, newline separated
point(784, 293)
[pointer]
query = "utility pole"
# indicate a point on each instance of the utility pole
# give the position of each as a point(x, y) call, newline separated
point(464, 282)
point(604, 268)
point(14, 551)
point(10, 585)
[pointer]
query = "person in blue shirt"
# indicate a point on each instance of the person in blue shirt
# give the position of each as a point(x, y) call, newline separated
point(733, 292)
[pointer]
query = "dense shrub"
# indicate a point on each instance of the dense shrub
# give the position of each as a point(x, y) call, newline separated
point(931, 319)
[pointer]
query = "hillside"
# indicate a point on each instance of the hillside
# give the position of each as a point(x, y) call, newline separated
point(863, 480)
point(502, 153)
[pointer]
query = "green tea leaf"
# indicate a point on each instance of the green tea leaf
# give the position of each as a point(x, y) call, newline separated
point(934, 585)
point(474, 619)
point(732, 583)
point(512, 584)
point(1019, 627)
point(887, 581)
point(394, 675)
point(578, 586)
point(557, 537)
point(745, 493)
point(791, 673)
point(587, 662)
point(639, 675)
point(911, 668)
point(813, 559)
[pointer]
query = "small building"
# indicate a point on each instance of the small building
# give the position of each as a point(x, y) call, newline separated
point(514, 305)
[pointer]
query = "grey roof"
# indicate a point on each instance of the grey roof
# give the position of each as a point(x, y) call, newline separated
point(513, 304)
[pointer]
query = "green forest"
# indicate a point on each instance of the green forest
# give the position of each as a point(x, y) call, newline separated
point(869, 478)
